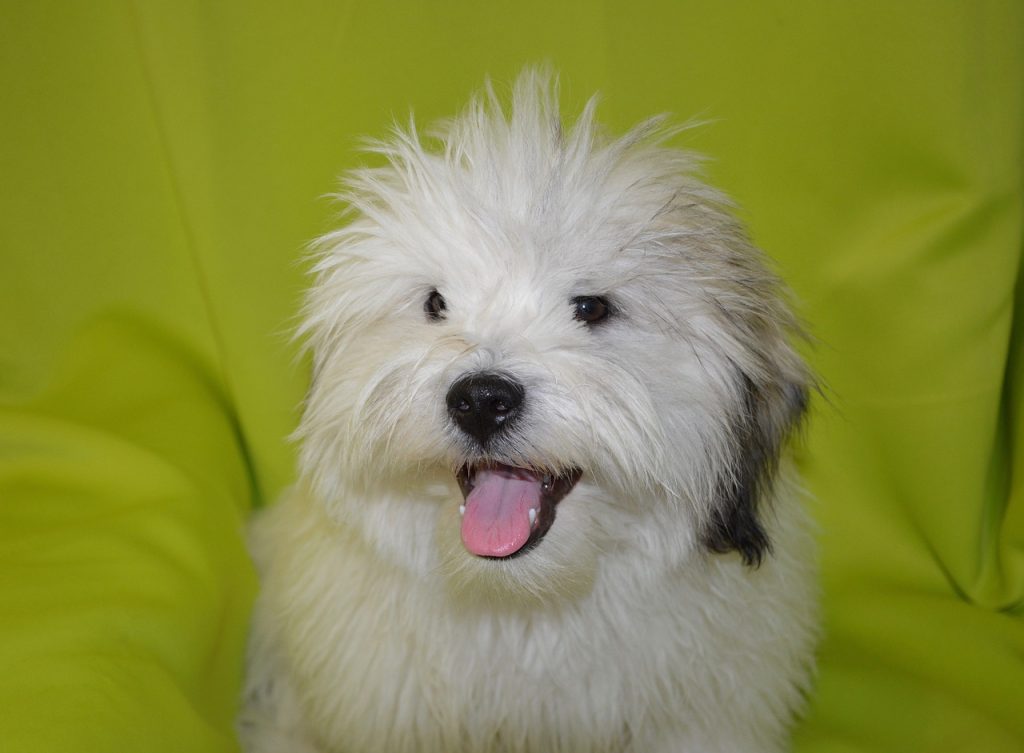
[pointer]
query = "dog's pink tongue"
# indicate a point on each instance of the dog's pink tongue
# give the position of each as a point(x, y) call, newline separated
point(496, 522)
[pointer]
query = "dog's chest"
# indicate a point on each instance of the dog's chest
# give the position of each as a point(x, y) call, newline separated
point(414, 674)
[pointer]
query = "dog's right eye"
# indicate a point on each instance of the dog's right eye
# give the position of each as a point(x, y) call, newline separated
point(435, 306)
point(590, 309)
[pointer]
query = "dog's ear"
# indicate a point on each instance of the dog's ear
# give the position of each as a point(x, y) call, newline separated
point(769, 414)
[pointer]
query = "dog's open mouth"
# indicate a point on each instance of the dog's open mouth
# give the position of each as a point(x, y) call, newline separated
point(508, 510)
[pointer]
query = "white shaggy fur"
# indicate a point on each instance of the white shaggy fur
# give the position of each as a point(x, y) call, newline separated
point(671, 606)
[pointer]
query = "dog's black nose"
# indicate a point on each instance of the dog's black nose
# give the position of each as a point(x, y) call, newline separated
point(484, 404)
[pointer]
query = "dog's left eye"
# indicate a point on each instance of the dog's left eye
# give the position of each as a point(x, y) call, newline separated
point(590, 309)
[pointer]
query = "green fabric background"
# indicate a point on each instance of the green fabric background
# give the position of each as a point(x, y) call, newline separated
point(162, 166)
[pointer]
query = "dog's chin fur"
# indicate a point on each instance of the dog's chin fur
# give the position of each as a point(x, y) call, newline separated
point(671, 605)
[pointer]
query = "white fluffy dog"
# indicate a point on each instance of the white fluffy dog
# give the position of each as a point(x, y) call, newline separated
point(538, 507)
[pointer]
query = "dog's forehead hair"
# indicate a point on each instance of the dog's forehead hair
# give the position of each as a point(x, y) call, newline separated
point(496, 268)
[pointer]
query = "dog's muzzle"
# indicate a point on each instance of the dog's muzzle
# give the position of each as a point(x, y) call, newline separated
point(507, 509)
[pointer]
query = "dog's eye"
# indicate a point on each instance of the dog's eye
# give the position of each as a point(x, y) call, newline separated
point(590, 309)
point(435, 306)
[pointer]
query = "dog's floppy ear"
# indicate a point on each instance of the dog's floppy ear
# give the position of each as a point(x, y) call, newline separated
point(769, 413)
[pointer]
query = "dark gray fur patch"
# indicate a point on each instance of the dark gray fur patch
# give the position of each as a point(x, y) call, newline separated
point(769, 415)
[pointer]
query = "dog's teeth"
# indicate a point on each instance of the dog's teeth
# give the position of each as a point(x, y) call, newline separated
point(533, 516)
point(462, 509)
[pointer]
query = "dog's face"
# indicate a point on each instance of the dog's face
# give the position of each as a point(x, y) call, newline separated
point(547, 348)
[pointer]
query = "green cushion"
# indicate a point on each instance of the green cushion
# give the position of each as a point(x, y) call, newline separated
point(163, 166)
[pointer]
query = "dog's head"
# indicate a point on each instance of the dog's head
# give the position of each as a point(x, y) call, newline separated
point(548, 345)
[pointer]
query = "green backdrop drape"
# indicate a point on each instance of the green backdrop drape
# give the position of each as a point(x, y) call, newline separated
point(162, 166)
